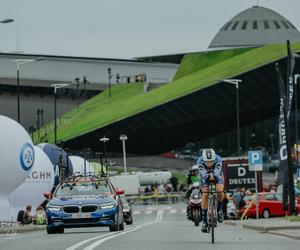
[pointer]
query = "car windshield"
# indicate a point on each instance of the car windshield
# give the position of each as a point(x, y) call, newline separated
point(79, 189)
point(248, 197)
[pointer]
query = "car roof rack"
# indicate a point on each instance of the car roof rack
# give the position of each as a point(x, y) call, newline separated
point(91, 175)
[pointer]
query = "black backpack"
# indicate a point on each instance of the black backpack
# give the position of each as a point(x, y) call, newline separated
point(20, 216)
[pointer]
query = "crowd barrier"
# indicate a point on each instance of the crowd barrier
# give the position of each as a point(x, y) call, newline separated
point(155, 199)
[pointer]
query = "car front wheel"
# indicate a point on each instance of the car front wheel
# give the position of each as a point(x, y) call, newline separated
point(266, 214)
point(119, 223)
point(55, 230)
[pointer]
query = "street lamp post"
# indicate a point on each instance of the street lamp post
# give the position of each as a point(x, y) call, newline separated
point(272, 145)
point(109, 81)
point(38, 112)
point(20, 62)
point(236, 83)
point(57, 86)
point(123, 138)
point(42, 118)
point(296, 76)
point(104, 140)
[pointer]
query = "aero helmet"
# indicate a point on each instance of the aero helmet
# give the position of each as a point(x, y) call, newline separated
point(208, 154)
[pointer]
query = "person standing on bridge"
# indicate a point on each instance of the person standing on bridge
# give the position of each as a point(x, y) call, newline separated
point(210, 166)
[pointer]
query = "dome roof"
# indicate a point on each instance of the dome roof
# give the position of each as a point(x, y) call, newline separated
point(253, 27)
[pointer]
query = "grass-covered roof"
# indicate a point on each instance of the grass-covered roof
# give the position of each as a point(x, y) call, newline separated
point(197, 71)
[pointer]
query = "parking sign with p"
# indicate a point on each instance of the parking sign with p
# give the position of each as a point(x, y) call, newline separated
point(255, 159)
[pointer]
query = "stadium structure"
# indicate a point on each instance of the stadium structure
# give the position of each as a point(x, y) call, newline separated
point(197, 105)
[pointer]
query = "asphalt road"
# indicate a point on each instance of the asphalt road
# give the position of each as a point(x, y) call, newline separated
point(155, 227)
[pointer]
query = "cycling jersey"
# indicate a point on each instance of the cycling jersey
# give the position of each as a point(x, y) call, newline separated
point(216, 169)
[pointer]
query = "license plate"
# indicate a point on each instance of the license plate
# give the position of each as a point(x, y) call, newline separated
point(79, 216)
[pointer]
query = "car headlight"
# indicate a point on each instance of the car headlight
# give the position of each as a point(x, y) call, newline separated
point(107, 206)
point(126, 208)
point(54, 208)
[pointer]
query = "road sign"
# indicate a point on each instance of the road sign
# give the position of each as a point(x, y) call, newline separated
point(255, 160)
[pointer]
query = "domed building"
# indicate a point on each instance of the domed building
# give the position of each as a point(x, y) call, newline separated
point(253, 27)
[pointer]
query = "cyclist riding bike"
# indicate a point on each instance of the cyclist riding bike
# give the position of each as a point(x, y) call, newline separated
point(210, 166)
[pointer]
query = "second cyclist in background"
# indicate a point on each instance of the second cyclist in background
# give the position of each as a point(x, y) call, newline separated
point(210, 166)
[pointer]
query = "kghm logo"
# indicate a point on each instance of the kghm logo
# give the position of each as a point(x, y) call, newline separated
point(27, 157)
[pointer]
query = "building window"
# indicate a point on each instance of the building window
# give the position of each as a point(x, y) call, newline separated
point(285, 25)
point(254, 25)
point(223, 27)
point(234, 26)
point(266, 24)
point(276, 24)
point(227, 26)
point(244, 26)
point(291, 24)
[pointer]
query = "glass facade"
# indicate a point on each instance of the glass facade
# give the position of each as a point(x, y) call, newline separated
point(262, 135)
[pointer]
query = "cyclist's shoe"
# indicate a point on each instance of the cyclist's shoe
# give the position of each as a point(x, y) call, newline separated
point(204, 227)
point(220, 216)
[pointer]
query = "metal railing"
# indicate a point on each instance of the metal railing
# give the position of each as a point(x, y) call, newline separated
point(155, 199)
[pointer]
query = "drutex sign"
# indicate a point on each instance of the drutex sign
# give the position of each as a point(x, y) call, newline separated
point(237, 174)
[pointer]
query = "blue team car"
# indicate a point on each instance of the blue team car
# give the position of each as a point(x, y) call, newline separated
point(84, 201)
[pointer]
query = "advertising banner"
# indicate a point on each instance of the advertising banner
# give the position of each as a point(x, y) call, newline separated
point(237, 174)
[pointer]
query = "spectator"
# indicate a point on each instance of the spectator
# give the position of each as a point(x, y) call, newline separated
point(174, 182)
point(155, 190)
point(248, 192)
point(40, 216)
point(182, 188)
point(148, 189)
point(167, 189)
point(238, 198)
point(28, 217)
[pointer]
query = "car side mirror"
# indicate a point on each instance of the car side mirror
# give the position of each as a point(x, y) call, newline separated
point(48, 195)
point(119, 191)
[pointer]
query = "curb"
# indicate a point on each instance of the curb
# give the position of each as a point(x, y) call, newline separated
point(21, 229)
point(263, 229)
point(285, 235)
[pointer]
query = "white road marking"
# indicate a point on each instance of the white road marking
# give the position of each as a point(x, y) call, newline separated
point(149, 212)
point(136, 212)
point(79, 244)
point(183, 211)
point(103, 238)
point(99, 242)
point(173, 211)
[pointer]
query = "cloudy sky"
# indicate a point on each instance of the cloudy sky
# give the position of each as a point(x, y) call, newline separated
point(122, 28)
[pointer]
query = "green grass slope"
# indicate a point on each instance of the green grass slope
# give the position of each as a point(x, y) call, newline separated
point(129, 99)
point(197, 61)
